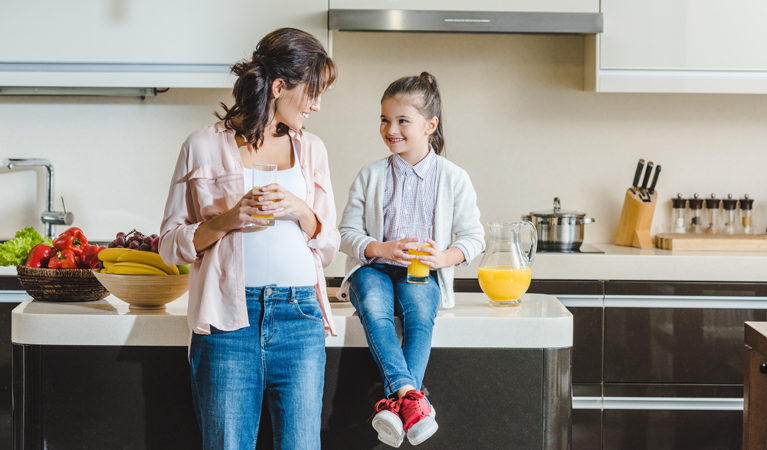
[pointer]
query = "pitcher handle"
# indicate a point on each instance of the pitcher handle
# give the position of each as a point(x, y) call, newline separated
point(533, 241)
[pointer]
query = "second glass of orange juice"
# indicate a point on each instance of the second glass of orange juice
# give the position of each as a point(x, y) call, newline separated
point(263, 175)
point(418, 272)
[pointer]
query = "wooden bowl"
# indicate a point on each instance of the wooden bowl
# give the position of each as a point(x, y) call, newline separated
point(145, 291)
point(61, 285)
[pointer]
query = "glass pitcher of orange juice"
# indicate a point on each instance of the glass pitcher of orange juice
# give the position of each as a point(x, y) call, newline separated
point(504, 272)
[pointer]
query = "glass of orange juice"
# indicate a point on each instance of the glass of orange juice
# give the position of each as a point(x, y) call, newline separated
point(418, 272)
point(263, 175)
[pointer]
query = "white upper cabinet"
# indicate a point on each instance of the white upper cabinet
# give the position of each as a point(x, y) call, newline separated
point(680, 46)
point(140, 43)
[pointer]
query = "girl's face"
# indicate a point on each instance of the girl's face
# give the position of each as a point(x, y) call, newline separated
point(403, 128)
point(293, 106)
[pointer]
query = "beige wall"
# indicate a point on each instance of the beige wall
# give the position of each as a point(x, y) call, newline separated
point(516, 117)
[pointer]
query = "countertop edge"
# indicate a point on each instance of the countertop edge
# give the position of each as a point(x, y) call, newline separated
point(114, 326)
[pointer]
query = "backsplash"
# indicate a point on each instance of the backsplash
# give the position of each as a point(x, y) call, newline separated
point(516, 118)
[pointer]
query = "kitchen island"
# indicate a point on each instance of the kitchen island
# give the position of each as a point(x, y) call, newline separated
point(97, 375)
point(680, 313)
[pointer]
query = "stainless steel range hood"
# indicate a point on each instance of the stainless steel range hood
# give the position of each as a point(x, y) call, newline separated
point(412, 20)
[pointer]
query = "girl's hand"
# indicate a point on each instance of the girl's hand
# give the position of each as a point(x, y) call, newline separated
point(393, 250)
point(437, 259)
point(241, 214)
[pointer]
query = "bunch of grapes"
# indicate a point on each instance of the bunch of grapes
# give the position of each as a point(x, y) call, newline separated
point(136, 240)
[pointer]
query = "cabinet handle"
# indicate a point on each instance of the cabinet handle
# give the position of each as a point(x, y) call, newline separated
point(763, 367)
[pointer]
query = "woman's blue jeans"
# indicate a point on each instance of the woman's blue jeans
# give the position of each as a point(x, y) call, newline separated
point(279, 358)
point(378, 292)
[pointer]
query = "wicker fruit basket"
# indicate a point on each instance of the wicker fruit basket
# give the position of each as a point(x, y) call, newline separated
point(61, 285)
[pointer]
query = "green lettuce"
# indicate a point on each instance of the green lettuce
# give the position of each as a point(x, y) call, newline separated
point(14, 252)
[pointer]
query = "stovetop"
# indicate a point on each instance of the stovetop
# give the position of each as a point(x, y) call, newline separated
point(585, 248)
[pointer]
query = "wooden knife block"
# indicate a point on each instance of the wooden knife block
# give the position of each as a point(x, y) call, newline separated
point(636, 218)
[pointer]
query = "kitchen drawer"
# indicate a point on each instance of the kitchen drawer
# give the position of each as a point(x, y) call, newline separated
point(677, 339)
point(584, 299)
point(629, 429)
point(587, 429)
point(587, 343)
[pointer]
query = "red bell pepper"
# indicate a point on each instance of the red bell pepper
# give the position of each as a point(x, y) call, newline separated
point(72, 239)
point(40, 255)
point(65, 259)
point(89, 258)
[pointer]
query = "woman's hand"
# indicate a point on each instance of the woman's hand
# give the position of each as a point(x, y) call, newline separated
point(392, 250)
point(278, 201)
point(437, 259)
point(239, 216)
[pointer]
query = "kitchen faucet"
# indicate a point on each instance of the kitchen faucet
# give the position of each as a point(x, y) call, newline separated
point(49, 217)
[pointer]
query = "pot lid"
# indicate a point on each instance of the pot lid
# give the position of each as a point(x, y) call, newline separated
point(557, 211)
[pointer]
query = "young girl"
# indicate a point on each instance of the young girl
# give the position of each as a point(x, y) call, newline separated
point(258, 306)
point(413, 187)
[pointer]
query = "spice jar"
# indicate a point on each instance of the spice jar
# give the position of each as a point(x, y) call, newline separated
point(677, 219)
point(711, 216)
point(695, 205)
point(728, 206)
point(746, 208)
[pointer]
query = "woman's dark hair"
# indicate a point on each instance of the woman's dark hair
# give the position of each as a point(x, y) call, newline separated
point(425, 86)
point(289, 54)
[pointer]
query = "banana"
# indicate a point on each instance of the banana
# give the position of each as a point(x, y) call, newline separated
point(148, 258)
point(133, 268)
point(107, 264)
point(111, 254)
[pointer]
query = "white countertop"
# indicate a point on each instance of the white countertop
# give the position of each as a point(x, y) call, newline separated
point(629, 263)
point(620, 263)
point(540, 321)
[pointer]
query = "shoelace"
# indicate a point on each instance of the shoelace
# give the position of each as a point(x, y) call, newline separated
point(411, 410)
point(386, 403)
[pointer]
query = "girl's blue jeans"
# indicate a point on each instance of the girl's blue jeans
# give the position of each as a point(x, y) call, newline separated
point(378, 292)
point(279, 359)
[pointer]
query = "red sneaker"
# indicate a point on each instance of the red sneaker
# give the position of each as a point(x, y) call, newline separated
point(417, 417)
point(387, 422)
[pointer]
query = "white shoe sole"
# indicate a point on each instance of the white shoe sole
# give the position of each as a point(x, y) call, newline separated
point(422, 430)
point(389, 428)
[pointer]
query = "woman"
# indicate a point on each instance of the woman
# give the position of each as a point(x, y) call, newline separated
point(258, 305)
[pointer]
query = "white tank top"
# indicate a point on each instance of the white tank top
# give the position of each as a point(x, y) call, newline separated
point(279, 254)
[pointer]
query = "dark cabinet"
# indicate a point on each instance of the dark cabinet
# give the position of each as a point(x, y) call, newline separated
point(755, 387)
point(658, 364)
point(10, 297)
point(675, 345)
point(670, 430)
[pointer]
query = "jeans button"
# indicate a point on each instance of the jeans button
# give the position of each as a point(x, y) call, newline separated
point(268, 291)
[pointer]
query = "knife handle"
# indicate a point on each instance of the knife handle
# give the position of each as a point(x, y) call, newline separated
point(640, 166)
point(647, 172)
point(654, 179)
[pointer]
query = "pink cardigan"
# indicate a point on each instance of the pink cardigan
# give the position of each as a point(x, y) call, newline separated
point(208, 181)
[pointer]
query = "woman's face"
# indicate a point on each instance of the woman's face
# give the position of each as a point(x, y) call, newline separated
point(293, 106)
point(403, 128)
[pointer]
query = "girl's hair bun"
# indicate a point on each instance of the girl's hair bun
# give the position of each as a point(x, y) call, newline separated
point(426, 76)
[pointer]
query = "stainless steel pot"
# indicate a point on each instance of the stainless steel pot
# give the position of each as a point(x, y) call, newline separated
point(559, 230)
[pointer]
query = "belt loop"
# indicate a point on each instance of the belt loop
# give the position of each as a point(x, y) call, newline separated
point(292, 294)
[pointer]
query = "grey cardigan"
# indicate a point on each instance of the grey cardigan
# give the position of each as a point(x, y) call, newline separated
point(456, 219)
